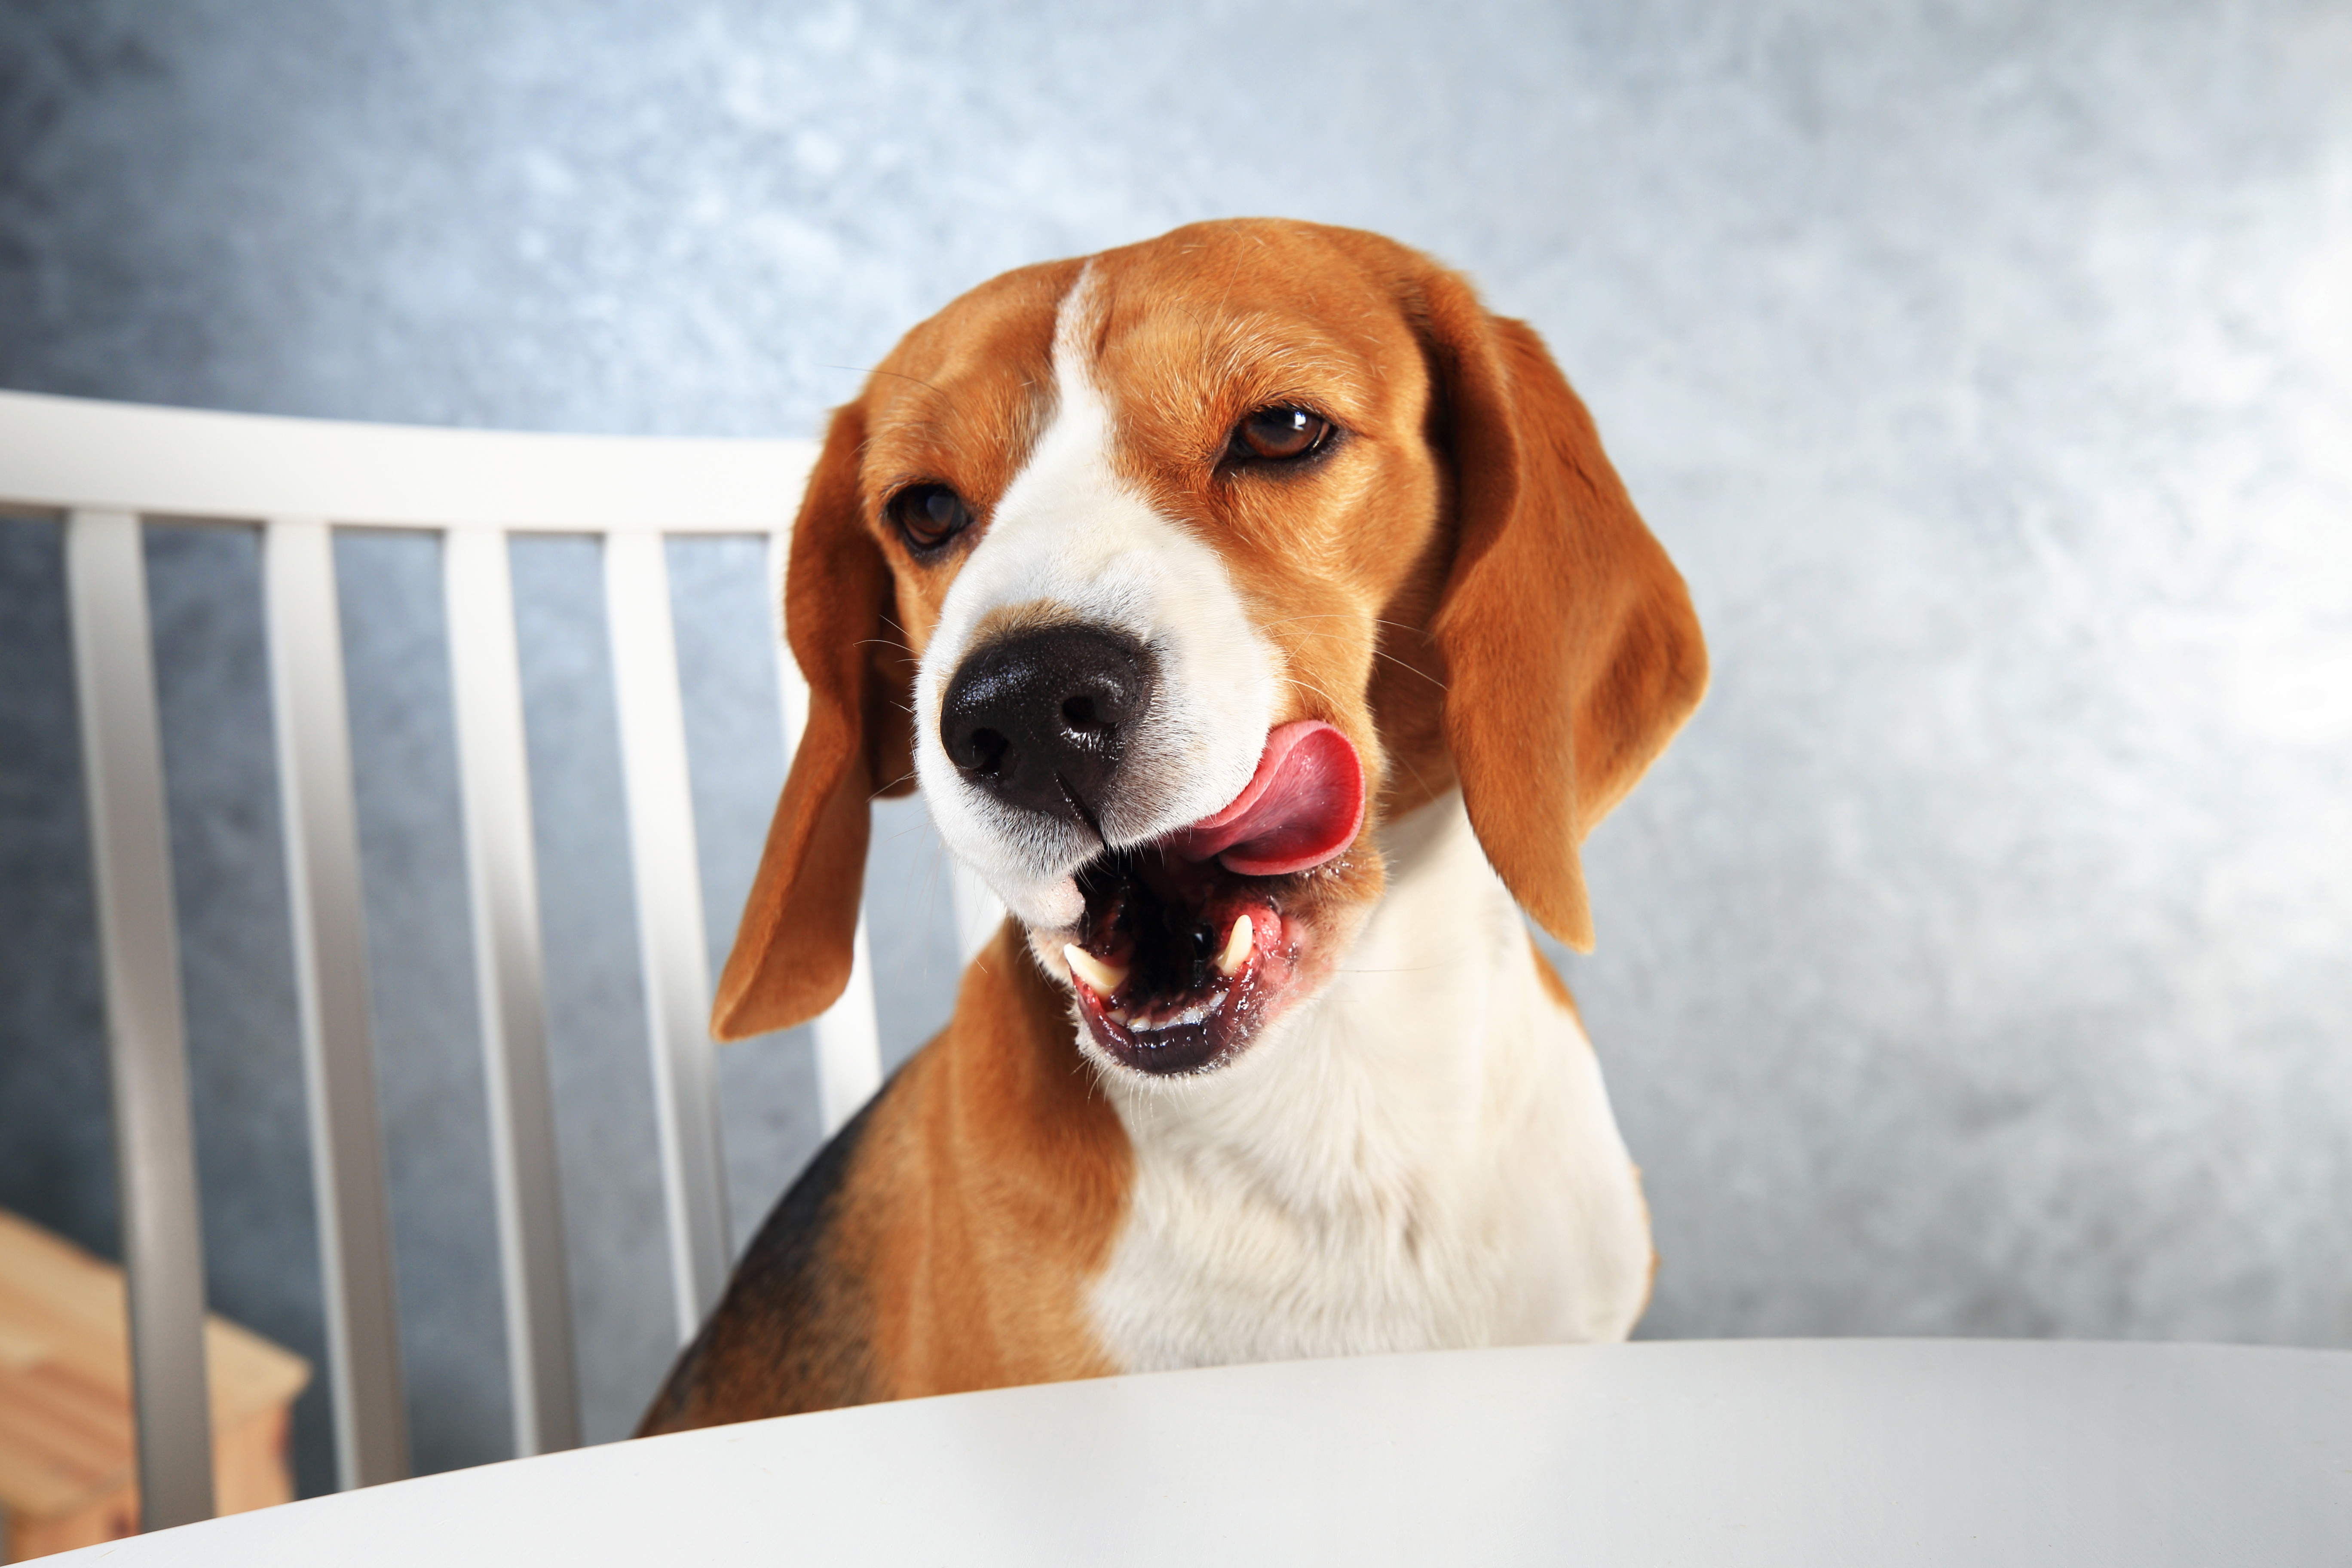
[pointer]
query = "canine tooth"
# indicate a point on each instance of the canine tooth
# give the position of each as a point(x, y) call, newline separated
point(1237, 947)
point(1100, 977)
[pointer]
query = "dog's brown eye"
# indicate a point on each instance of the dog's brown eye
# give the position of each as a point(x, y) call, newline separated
point(928, 515)
point(1278, 434)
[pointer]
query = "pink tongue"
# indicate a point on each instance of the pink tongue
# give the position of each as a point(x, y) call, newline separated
point(1301, 808)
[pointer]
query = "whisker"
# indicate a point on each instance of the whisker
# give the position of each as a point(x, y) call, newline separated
point(1309, 686)
point(1410, 669)
point(1415, 772)
point(1377, 651)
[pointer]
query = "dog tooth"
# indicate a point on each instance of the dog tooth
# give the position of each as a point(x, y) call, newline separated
point(1100, 977)
point(1237, 947)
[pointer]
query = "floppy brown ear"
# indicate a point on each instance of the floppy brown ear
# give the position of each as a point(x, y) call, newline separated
point(791, 953)
point(1572, 651)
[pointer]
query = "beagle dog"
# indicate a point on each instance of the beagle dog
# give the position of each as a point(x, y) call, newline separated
point(1264, 623)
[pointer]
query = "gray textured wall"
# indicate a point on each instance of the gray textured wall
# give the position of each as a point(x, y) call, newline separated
point(1980, 961)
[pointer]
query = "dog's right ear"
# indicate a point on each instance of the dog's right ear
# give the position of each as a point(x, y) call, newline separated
point(793, 949)
point(1572, 651)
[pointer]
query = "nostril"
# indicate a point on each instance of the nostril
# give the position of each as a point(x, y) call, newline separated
point(982, 751)
point(1078, 713)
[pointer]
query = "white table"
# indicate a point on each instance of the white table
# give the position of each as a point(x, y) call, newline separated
point(1818, 1453)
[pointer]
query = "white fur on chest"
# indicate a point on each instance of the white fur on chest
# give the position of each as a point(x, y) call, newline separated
point(1421, 1156)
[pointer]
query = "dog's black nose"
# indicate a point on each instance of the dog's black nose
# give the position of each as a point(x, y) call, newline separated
point(1041, 719)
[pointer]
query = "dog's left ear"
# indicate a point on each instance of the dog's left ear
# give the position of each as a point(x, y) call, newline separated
point(1573, 652)
point(792, 950)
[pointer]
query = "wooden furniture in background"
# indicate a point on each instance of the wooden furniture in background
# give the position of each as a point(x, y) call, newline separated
point(67, 1471)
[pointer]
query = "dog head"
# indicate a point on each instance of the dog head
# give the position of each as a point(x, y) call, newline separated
point(1172, 572)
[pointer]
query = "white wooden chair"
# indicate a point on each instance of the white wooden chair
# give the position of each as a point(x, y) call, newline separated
point(99, 468)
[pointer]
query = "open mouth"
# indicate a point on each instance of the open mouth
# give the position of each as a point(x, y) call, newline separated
point(1175, 960)
point(1185, 949)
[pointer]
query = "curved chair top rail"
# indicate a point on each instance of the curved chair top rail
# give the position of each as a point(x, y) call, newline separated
point(67, 452)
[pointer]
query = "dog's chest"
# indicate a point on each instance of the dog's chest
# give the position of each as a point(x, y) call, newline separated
point(1423, 1156)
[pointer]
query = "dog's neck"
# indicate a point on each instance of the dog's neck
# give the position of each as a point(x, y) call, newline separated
point(1422, 1155)
point(1385, 1066)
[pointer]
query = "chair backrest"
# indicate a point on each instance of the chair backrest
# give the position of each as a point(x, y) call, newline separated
point(99, 468)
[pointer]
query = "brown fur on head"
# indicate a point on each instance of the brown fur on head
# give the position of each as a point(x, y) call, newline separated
point(1462, 587)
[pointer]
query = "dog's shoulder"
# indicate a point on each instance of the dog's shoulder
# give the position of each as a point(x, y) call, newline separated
point(941, 1240)
point(995, 1191)
point(793, 1331)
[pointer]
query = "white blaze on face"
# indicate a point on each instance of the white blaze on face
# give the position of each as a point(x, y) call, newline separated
point(1072, 542)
